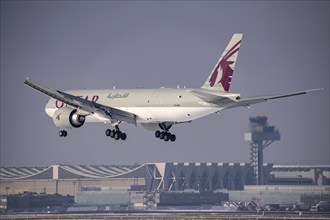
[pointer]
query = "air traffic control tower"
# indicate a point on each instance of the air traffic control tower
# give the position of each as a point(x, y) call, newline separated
point(261, 136)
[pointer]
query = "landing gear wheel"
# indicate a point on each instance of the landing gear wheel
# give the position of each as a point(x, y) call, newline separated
point(173, 137)
point(117, 135)
point(157, 134)
point(112, 133)
point(107, 132)
point(167, 136)
point(123, 136)
point(161, 135)
point(63, 133)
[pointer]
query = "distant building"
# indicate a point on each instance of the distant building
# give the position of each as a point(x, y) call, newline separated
point(69, 179)
point(282, 194)
point(34, 201)
point(196, 198)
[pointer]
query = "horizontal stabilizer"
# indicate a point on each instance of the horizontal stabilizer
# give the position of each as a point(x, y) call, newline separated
point(246, 102)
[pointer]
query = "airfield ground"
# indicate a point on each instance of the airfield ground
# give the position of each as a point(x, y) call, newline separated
point(174, 216)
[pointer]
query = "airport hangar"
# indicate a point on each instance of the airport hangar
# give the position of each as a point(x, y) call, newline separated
point(148, 177)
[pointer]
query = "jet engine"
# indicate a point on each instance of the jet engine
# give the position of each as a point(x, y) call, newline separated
point(68, 118)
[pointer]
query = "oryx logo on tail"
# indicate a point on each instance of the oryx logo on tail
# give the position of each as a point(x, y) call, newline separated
point(223, 69)
point(222, 73)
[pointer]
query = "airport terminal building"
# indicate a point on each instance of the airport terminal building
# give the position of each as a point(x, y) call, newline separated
point(168, 184)
point(148, 177)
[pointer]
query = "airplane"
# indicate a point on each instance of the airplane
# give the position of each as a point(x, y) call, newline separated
point(155, 109)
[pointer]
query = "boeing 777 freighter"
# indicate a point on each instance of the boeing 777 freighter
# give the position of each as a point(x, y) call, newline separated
point(154, 109)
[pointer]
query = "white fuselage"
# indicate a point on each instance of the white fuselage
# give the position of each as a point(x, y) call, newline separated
point(150, 105)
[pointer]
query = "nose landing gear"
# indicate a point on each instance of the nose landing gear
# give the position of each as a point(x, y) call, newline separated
point(63, 133)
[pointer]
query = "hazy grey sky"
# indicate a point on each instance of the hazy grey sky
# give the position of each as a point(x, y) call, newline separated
point(101, 44)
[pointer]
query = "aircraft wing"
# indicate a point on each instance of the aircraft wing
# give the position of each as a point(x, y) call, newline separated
point(85, 105)
point(246, 102)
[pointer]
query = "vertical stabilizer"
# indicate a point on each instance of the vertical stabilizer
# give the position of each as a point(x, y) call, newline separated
point(222, 73)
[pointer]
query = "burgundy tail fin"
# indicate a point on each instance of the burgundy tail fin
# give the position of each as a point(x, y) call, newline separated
point(222, 73)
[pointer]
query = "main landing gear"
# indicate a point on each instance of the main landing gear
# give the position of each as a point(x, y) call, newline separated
point(165, 134)
point(116, 133)
point(63, 133)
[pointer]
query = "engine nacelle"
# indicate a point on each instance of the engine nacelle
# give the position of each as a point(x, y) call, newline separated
point(68, 118)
